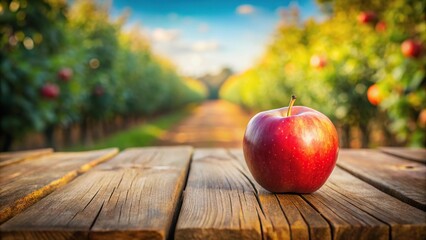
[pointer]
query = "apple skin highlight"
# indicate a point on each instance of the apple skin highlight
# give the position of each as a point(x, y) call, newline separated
point(295, 153)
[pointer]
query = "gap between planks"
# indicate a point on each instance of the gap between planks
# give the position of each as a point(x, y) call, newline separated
point(172, 229)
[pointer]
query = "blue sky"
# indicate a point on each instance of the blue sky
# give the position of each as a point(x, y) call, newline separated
point(201, 36)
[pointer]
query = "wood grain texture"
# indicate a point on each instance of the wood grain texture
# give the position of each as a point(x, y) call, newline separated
point(222, 201)
point(134, 195)
point(219, 202)
point(405, 180)
point(22, 184)
point(294, 218)
point(357, 210)
point(7, 158)
point(354, 209)
point(414, 154)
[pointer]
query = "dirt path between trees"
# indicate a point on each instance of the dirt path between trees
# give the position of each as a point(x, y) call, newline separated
point(212, 124)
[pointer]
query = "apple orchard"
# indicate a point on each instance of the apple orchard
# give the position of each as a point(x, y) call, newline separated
point(363, 66)
point(62, 66)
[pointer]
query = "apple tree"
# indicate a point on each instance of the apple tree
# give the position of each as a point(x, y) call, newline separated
point(30, 34)
point(335, 64)
point(402, 79)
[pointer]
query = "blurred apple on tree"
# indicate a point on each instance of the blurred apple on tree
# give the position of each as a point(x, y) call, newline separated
point(367, 17)
point(318, 61)
point(374, 95)
point(422, 118)
point(411, 48)
point(50, 91)
point(381, 26)
point(65, 74)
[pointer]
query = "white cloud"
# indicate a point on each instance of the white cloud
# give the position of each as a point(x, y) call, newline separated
point(245, 9)
point(165, 35)
point(196, 60)
point(205, 46)
point(203, 28)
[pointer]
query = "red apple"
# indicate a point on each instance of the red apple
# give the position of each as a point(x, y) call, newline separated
point(381, 26)
point(291, 149)
point(366, 17)
point(422, 118)
point(50, 91)
point(318, 61)
point(374, 95)
point(65, 74)
point(411, 48)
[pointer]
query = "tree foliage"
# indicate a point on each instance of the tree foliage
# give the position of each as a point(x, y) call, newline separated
point(113, 72)
point(356, 56)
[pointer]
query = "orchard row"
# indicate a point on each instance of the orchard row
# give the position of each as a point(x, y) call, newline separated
point(63, 65)
point(363, 66)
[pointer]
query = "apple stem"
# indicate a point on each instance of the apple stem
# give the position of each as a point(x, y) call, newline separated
point(290, 105)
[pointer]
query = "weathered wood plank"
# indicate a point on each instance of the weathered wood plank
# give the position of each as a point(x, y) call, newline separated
point(24, 183)
point(353, 208)
point(414, 154)
point(152, 195)
point(134, 195)
point(218, 203)
point(7, 158)
point(357, 210)
point(405, 180)
point(222, 201)
point(303, 220)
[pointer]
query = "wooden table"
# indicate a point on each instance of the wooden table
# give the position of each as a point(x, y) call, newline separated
point(186, 193)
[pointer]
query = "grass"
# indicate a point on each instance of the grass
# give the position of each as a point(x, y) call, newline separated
point(145, 134)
